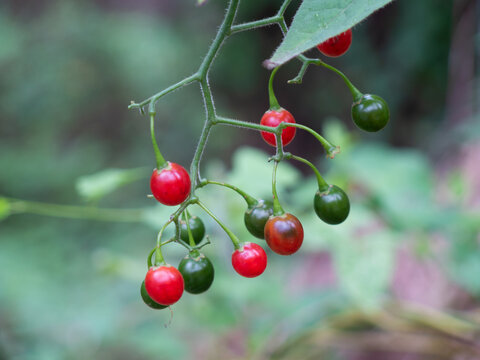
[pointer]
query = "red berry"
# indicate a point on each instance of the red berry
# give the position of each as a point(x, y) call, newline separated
point(164, 284)
point(250, 260)
point(273, 118)
point(337, 45)
point(284, 234)
point(171, 184)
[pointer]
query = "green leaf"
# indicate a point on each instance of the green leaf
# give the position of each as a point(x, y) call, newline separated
point(96, 186)
point(319, 20)
point(4, 208)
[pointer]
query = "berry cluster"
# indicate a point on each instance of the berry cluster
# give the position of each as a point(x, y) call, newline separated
point(172, 185)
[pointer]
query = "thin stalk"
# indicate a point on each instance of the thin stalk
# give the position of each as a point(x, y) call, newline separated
point(251, 201)
point(156, 97)
point(243, 124)
point(149, 258)
point(357, 95)
point(231, 235)
point(277, 208)
point(322, 184)
point(190, 235)
point(160, 233)
point(331, 149)
point(274, 105)
point(161, 163)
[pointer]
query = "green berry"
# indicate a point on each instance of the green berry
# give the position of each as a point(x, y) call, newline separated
point(331, 205)
point(370, 113)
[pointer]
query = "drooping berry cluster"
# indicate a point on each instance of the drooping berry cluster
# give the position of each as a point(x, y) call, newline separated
point(283, 232)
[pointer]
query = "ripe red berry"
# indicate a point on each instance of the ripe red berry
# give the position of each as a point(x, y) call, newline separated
point(171, 184)
point(337, 45)
point(284, 234)
point(273, 118)
point(250, 260)
point(164, 284)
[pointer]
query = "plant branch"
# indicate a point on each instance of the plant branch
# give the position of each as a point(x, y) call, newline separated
point(153, 99)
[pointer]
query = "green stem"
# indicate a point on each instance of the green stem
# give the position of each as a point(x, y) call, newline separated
point(251, 201)
point(220, 37)
point(254, 24)
point(357, 95)
point(282, 9)
point(243, 124)
point(149, 258)
point(331, 149)
point(322, 184)
point(161, 163)
point(156, 97)
point(274, 105)
point(277, 208)
point(75, 212)
point(231, 235)
point(278, 140)
point(159, 260)
point(160, 233)
point(190, 235)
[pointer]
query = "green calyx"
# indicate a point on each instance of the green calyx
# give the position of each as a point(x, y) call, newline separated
point(370, 113)
point(197, 271)
point(256, 216)
point(331, 205)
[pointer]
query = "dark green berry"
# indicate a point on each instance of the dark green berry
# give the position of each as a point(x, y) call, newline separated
point(148, 300)
point(256, 217)
point(196, 227)
point(370, 113)
point(331, 205)
point(197, 271)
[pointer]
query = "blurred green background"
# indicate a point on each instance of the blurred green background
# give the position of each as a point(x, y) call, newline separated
point(400, 280)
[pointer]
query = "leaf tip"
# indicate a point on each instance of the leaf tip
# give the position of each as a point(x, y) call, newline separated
point(270, 64)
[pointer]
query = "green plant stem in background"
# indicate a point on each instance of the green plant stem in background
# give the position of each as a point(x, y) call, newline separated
point(75, 212)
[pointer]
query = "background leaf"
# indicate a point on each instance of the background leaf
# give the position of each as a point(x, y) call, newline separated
point(96, 186)
point(319, 20)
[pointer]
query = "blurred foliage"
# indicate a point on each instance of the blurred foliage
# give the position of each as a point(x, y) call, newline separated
point(69, 289)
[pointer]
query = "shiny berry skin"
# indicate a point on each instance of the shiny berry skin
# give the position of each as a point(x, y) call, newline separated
point(250, 260)
point(284, 234)
point(273, 118)
point(197, 271)
point(257, 216)
point(337, 45)
point(171, 184)
point(332, 205)
point(164, 284)
point(370, 113)
point(148, 300)
point(196, 227)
